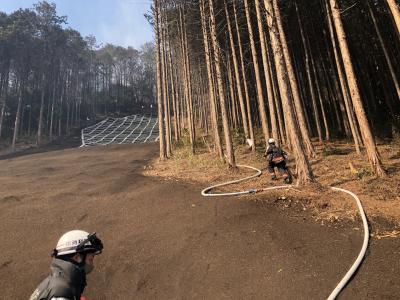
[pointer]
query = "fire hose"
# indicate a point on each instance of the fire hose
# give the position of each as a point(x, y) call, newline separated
point(357, 262)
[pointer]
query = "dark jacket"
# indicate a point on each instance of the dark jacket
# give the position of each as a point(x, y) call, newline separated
point(275, 155)
point(67, 280)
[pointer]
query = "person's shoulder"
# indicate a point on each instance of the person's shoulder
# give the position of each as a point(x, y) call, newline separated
point(60, 289)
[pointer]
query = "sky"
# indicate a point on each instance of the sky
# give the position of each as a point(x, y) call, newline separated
point(119, 22)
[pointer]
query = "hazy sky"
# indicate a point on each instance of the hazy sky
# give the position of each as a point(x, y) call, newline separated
point(120, 22)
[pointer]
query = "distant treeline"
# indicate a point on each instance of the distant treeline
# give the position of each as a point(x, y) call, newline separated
point(51, 77)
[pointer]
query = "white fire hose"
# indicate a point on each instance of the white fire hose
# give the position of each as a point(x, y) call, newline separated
point(360, 256)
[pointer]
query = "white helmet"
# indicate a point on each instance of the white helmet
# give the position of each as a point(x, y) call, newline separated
point(271, 141)
point(78, 241)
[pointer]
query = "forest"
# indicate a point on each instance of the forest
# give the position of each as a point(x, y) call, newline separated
point(169, 151)
point(53, 80)
point(299, 71)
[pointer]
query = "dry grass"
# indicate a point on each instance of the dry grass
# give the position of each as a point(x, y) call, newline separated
point(336, 164)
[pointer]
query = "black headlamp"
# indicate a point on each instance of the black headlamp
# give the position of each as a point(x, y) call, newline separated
point(96, 246)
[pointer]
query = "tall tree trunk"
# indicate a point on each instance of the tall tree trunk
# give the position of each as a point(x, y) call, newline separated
point(277, 103)
point(232, 96)
point(177, 103)
point(318, 86)
point(68, 118)
point(304, 171)
point(335, 91)
point(165, 89)
point(17, 116)
point(266, 63)
point(260, 96)
point(40, 125)
point(237, 76)
point(163, 154)
point(330, 97)
point(309, 76)
point(293, 84)
point(173, 85)
point(366, 133)
point(212, 100)
point(78, 113)
point(343, 83)
point(302, 94)
point(60, 112)
point(228, 140)
point(2, 113)
point(30, 119)
point(187, 80)
point(22, 121)
point(3, 100)
point(48, 112)
point(394, 8)
point(244, 78)
point(52, 111)
point(385, 51)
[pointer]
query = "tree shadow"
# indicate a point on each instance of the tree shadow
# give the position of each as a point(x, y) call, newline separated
point(59, 144)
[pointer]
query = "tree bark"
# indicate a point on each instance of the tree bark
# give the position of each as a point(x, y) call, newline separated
point(237, 76)
point(187, 81)
point(52, 111)
point(228, 140)
point(235, 120)
point(2, 113)
point(173, 85)
point(244, 78)
point(68, 118)
point(60, 112)
point(385, 51)
point(303, 168)
point(165, 93)
point(343, 83)
point(303, 94)
point(394, 8)
point(17, 117)
point(3, 100)
point(260, 96)
point(156, 11)
point(277, 104)
point(330, 97)
point(266, 63)
point(318, 86)
point(40, 125)
point(293, 84)
point(372, 151)
point(309, 76)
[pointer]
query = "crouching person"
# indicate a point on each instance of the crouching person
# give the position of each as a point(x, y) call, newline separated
point(277, 159)
point(73, 260)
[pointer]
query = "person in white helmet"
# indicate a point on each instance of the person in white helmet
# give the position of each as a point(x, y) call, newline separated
point(277, 159)
point(73, 260)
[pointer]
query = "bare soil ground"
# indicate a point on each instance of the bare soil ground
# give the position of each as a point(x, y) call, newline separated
point(336, 165)
point(164, 241)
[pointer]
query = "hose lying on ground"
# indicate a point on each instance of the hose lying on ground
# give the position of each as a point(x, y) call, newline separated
point(360, 256)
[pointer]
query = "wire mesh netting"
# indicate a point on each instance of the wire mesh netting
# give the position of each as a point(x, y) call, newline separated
point(127, 130)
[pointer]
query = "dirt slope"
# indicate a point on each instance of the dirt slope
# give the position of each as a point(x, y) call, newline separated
point(164, 241)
